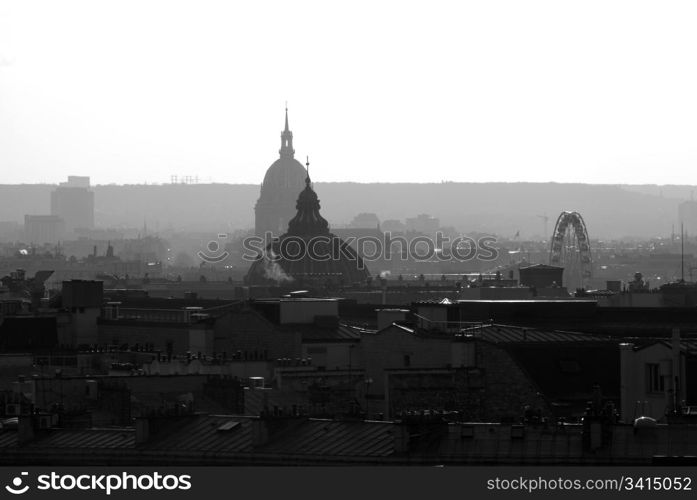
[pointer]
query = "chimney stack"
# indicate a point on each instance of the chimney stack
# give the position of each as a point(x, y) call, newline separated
point(260, 432)
point(677, 382)
point(25, 429)
point(401, 437)
point(142, 430)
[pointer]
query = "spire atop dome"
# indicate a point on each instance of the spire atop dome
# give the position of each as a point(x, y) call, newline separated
point(287, 140)
point(308, 221)
point(307, 164)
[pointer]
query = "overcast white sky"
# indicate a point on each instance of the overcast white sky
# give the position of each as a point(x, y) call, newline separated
point(135, 91)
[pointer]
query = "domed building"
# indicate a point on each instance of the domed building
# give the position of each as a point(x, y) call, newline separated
point(284, 179)
point(308, 254)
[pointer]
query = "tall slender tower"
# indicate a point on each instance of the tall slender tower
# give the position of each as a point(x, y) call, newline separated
point(287, 141)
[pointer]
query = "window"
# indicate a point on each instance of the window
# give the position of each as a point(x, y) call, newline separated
point(654, 381)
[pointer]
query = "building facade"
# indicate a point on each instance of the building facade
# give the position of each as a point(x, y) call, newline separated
point(73, 201)
point(40, 229)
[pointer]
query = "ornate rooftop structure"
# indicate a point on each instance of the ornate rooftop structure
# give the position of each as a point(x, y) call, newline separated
point(308, 253)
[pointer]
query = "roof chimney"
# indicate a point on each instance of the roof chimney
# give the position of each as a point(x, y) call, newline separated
point(142, 430)
point(401, 437)
point(676, 382)
point(25, 429)
point(260, 432)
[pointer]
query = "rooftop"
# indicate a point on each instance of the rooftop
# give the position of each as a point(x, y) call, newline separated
point(228, 439)
point(499, 333)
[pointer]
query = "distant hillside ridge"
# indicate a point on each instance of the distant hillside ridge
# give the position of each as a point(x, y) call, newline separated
point(610, 211)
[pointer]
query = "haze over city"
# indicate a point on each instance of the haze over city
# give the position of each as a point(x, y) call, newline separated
point(134, 92)
point(303, 234)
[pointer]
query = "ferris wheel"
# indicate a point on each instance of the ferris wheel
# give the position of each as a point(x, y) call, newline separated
point(571, 250)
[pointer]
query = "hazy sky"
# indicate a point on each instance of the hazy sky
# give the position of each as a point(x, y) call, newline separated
point(135, 91)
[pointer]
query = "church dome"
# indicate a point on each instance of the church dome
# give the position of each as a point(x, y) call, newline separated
point(285, 174)
point(308, 254)
point(284, 179)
